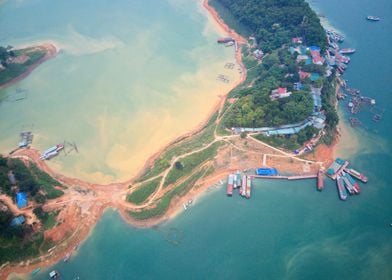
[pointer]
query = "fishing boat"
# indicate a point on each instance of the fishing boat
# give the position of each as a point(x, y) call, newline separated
point(347, 51)
point(373, 18)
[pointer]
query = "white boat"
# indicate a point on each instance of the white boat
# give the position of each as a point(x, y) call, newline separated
point(372, 18)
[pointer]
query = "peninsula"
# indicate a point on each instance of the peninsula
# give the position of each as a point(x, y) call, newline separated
point(18, 63)
point(281, 113)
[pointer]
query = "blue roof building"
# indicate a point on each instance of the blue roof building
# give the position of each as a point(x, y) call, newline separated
point(18, 221)
point(21, 200)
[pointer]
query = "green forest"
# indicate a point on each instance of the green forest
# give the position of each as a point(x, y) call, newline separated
point(21, 241)
point(275, 22)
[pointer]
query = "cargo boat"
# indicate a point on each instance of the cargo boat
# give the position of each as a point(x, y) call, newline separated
point(237, 180)
point(355, 184)
point(230, 183)
point(243, 186)
point(373, 18)
point(347, 183)
point(266, 171)
point(320, 180)
point(347, 51)
point(51, 152)
point(356, 174)
point(248, 186)
point(341, 190)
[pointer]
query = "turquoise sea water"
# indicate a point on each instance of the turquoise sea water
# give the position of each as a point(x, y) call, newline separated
point(286, 230)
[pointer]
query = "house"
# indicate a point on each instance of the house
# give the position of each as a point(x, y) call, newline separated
point(302, 57)
point(279, 93)
point(21, 200)
point(314, 77)
point(298, 86)
point(297, 40)
point(258, 54)
point(318, 60)
point(303, 75)
point(17, 221)
point(11, 178)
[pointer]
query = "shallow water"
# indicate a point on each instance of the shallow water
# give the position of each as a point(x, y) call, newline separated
point(130, 77)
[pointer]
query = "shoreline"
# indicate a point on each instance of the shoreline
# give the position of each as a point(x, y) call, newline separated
point(174, 208)
point(52, 51)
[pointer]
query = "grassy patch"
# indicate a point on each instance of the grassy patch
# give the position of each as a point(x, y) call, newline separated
point(279, 141)
point(190, 163)
point(144, 191)
point(48, 219)
point(193, 143)
point(47, 183)
point(164, 203)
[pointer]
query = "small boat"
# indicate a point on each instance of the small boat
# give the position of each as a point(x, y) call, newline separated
point(67, 256)
point(54, 274)
point(35, 271)
point(373, 18)
point(185, 206)
point(347, 51)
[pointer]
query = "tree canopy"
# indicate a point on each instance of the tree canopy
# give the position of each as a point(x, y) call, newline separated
point(275, 22)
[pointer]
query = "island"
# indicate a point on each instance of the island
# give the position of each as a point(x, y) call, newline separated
point(281, 114)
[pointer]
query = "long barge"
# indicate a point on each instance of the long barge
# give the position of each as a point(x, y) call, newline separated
point(356, 174)
point(230, 183)
point(341, 190)
point(320, 180)
point(248, 187)
point(355, 184)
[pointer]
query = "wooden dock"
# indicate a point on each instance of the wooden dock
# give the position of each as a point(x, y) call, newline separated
point(292, 177)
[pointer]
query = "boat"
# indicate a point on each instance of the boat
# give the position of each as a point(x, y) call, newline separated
point(248, 186)
point(230, 183)
point(52, 152)
point(67, 256)
point(354, 184)
point(243, 185)
point(347, 184)
point(54, 274)
point(373, 18)
point(35, 271)
point(185, 206)
point(225, 40)
point(341, 190)
point(347, 51)
point(320, 180)
point(356, 174)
